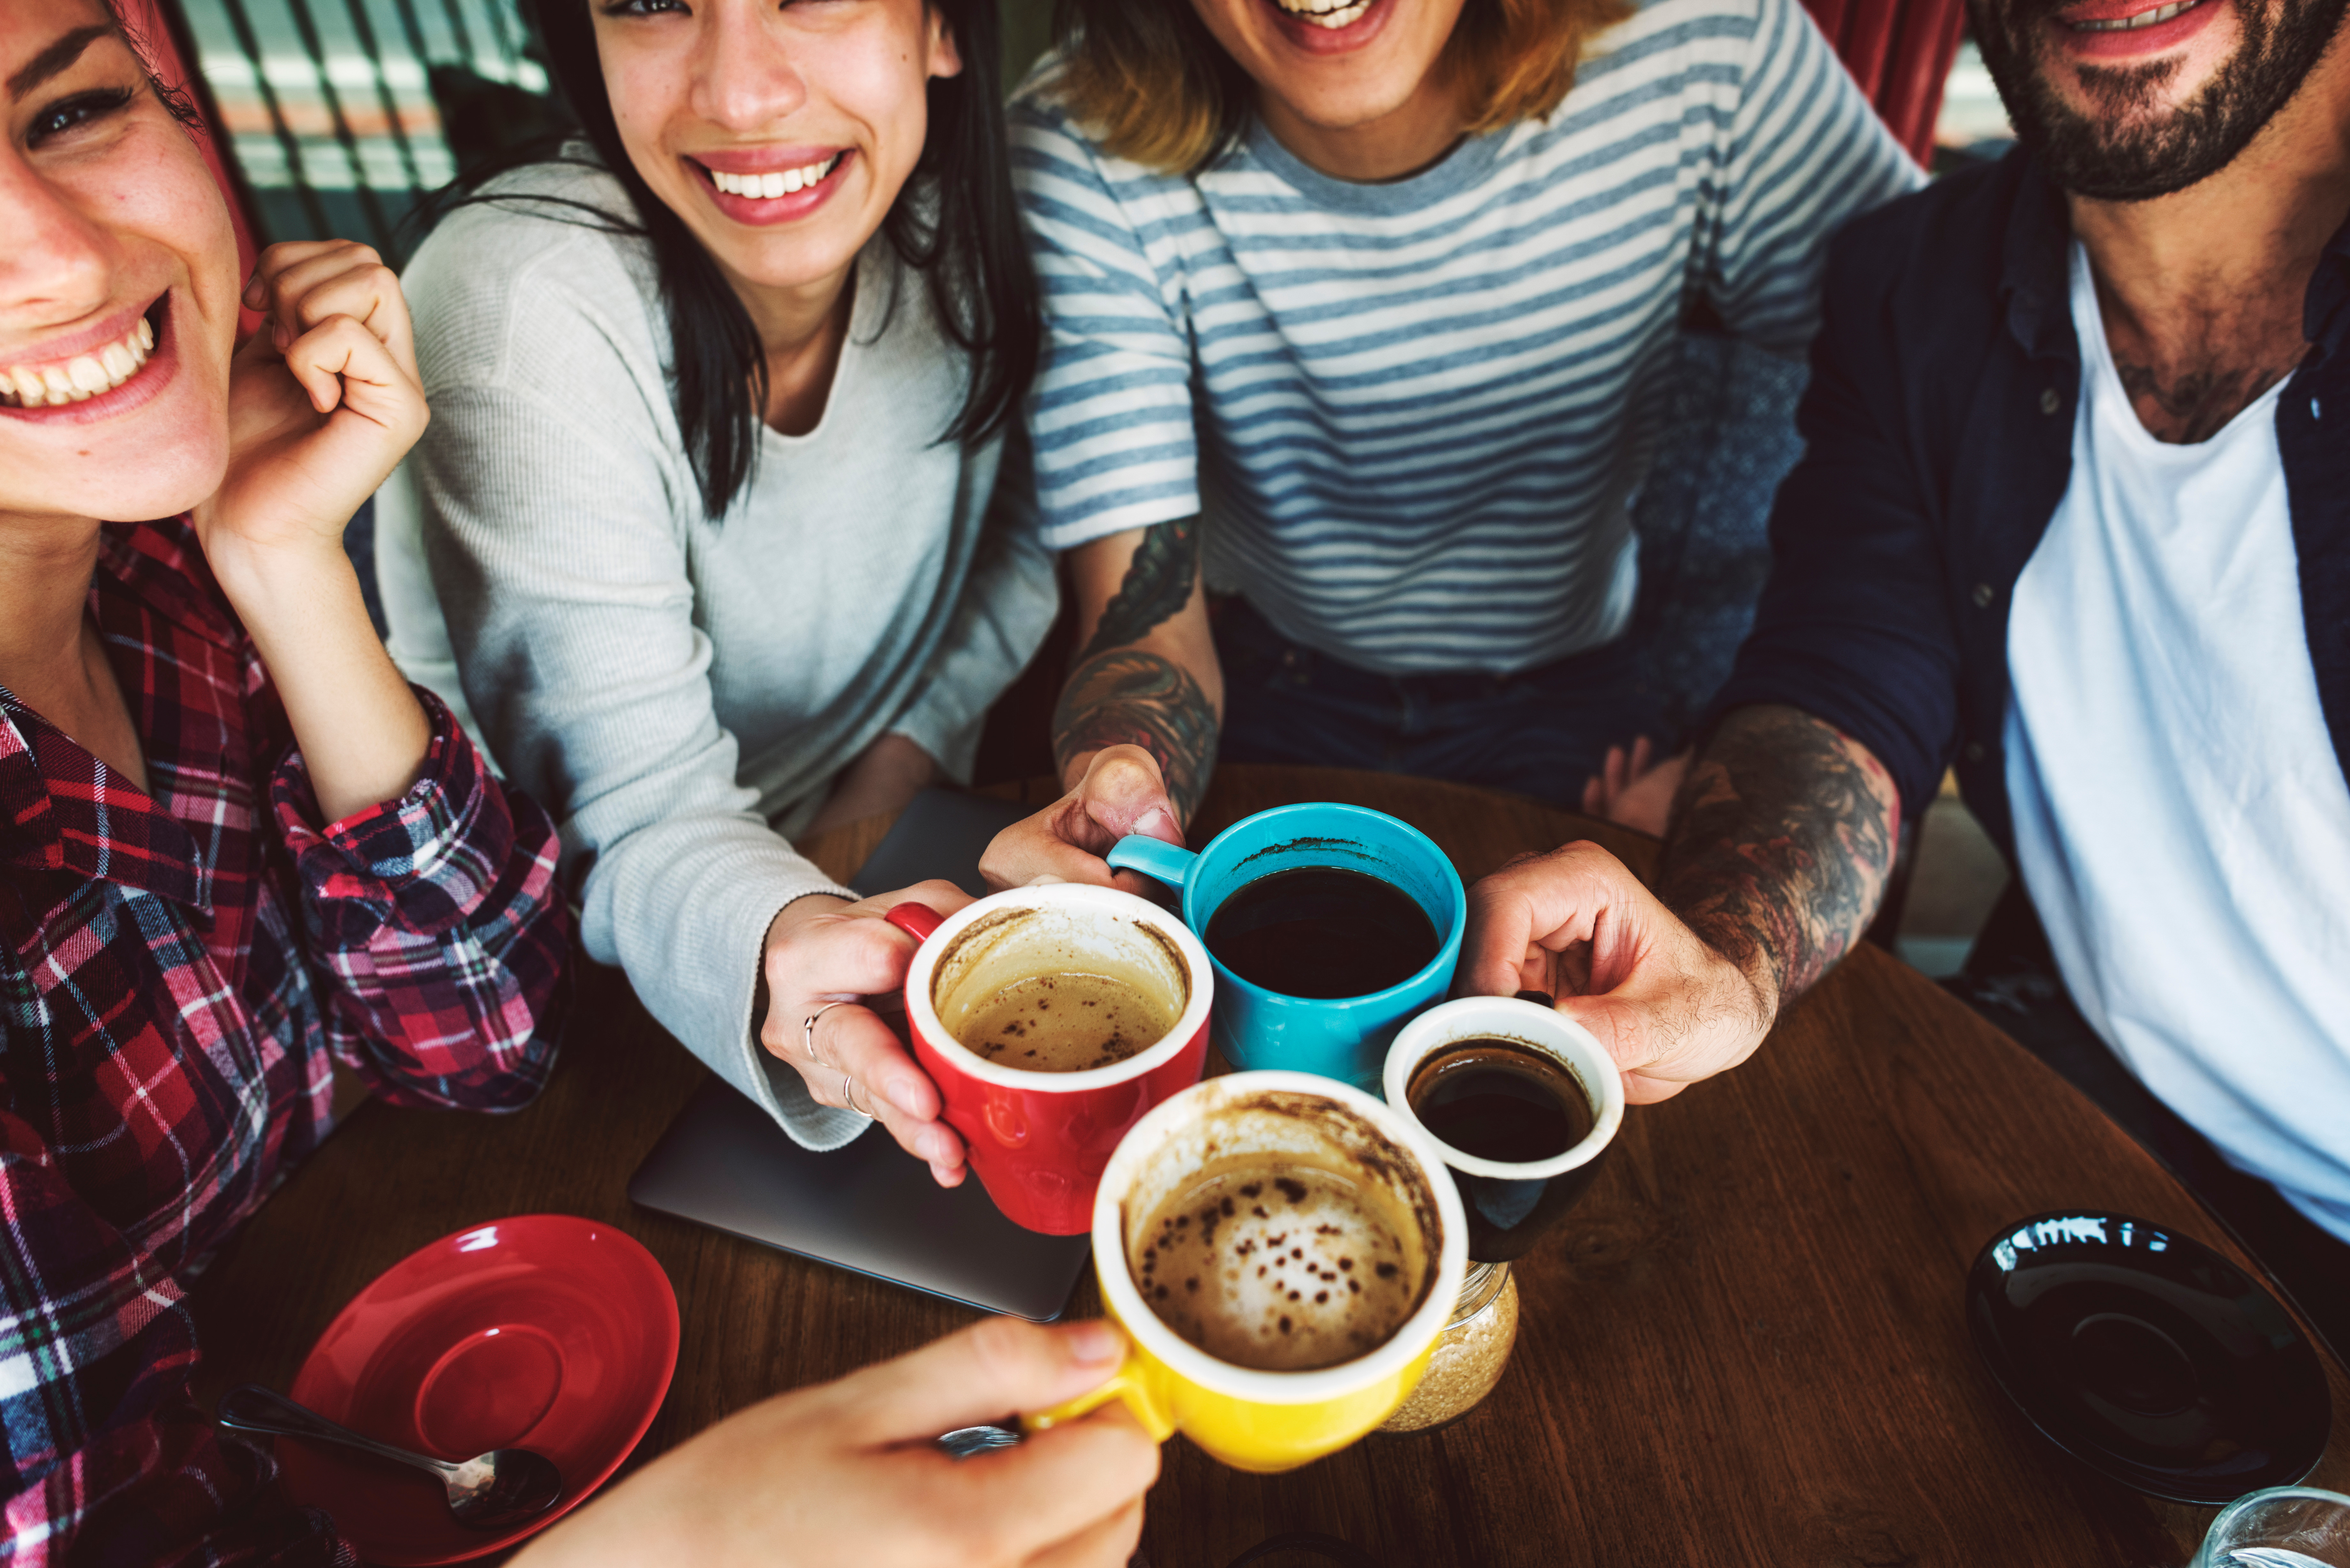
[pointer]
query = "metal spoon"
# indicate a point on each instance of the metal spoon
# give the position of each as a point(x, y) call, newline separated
point(489, 1491)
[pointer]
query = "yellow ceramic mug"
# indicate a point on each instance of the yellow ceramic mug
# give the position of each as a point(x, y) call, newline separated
point(1251, 1419)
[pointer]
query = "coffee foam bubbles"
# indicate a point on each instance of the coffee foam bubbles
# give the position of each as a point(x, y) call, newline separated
point(1278, 1267)
point(1030, 969)
point(1066, 1022)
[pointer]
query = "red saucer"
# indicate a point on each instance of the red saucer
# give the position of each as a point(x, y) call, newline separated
point(541, 1332)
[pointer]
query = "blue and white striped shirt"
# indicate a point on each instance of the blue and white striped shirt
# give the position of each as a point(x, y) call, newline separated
point(1414, 415)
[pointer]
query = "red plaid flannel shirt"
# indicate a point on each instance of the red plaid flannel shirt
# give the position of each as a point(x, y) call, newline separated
point(177, 972)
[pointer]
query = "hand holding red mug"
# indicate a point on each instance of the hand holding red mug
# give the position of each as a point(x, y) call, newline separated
point(823, 958)
point(1040, 1122)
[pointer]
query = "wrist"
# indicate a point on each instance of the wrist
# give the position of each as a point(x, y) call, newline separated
point(1752, 965)
point(1741, 952)
point(263, 581)
point(1762, 985)
point(906, 757)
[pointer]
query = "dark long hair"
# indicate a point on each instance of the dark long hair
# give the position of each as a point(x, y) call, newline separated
point(955, 223)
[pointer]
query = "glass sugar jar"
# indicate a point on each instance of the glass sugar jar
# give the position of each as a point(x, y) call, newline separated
point(1469, 1358)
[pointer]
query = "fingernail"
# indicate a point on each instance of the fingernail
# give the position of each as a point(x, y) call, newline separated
point(1157, 823)
point(905, 1096)
point(1044, 879)
point(1095, 1343)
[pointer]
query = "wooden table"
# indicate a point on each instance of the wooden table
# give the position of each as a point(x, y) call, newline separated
point(1746, 1347)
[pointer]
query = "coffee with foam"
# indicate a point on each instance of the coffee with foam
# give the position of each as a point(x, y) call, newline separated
point(1068, 1023)
point(1041, 990)
point(1278, 1266)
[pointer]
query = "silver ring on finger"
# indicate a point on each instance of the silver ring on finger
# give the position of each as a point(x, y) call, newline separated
point(807, 1032)
point(848, 1095)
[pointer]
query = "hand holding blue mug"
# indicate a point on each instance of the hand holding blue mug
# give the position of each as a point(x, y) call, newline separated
point(1362, 900)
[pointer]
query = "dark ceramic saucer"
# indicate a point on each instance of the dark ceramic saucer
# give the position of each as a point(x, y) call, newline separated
point(2148, 1356)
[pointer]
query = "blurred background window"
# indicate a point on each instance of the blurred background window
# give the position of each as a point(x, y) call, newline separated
point(1972, 123)
point(341, 115)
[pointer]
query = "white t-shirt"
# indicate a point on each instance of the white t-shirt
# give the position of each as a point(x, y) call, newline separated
point(2181, 819)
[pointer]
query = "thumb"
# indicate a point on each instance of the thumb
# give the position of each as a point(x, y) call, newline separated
point(984, 1373)
point(1124, 792)
point(1159, 822)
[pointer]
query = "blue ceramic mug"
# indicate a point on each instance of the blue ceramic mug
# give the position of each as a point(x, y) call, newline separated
point(1346, 1038)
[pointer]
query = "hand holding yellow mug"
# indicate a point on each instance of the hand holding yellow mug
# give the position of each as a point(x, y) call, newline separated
point(1283, 1252)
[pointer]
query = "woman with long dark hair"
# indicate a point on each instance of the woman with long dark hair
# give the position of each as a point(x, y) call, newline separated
point(724, 497)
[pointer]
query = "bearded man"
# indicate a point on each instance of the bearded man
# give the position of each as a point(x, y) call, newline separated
point(2074, 516)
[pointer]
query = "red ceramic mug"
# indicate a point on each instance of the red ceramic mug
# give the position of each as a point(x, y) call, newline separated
point(1039, 1140)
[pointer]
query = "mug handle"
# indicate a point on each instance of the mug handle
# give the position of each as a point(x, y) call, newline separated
point(1155, 858)
point(1130, 1384)
point(917, 920)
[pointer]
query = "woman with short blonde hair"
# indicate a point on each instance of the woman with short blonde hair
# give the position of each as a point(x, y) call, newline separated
point(1357, 315)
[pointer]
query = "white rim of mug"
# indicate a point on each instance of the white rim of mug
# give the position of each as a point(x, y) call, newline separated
point(1506, 1017)
point(1187, 1360)
point(1459, 899)
point(921, 1013)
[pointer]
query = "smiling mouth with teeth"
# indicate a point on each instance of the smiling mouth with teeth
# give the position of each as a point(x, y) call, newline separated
point(1325, 12)
point(2143, 19)
point(775, 182)
point(81, 377)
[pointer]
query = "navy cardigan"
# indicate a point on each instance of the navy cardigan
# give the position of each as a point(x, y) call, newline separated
point(1939, 431)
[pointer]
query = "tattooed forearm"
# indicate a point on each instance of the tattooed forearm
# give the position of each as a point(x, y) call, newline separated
point(1157, 584)
point(1780, 845)
point(1130, 697)
point(1120, 693)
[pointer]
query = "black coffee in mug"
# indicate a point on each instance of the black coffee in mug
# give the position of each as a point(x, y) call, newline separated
point(1503, 1101)
point(1497, 1100)
point(1322, 932)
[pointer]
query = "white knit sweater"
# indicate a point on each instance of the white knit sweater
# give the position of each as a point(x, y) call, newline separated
point(680, 692)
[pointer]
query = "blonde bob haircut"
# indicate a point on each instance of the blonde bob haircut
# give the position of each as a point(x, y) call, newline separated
point(1150, 81)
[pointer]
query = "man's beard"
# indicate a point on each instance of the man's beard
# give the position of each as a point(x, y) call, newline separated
point(2122, 152)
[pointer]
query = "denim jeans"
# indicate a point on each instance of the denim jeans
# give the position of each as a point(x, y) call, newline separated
point(1542, 732)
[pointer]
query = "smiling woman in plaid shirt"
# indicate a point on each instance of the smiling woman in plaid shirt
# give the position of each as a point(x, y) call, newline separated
point(235, 847)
